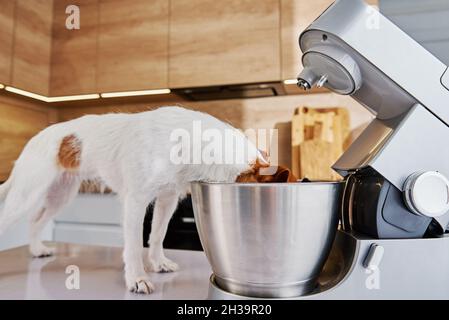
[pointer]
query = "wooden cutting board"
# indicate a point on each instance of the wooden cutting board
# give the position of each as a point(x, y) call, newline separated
point(318, 140)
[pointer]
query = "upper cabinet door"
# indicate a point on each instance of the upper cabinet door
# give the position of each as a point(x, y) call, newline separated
point(74, 51)
point(224, 42)
point(32, 45)
point(6, 39)
point(132, 45)
point(297, 15)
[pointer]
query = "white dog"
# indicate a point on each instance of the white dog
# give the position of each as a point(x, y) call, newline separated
point(133, 155)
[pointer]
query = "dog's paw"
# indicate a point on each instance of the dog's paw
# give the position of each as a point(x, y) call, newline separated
point(42, 251)
point(161, 265)
point(141, 286)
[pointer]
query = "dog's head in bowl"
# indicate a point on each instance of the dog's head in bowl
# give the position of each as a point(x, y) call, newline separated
point(262, 172)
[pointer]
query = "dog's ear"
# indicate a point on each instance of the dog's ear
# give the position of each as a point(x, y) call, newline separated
point(284, 175)
point(281, 176)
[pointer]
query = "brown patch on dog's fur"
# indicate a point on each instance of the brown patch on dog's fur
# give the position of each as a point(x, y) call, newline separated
point(282, 174)
point(69, 155)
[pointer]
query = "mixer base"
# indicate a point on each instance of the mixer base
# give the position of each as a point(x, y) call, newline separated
point(409, 269)
point(265, 291)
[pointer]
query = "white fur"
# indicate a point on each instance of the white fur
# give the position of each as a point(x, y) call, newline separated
point(128, 152)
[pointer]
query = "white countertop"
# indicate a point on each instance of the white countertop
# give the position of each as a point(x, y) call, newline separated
point(101, 275)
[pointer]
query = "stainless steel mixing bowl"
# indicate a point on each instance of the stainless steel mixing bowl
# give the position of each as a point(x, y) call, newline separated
point(267, 240)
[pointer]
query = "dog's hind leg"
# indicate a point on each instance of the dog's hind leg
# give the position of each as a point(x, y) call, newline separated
point(60, 194)
point(37, 224)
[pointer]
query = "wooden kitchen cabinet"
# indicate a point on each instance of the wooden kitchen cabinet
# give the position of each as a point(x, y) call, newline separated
point(296, 16)
point(6, 39)
point(132, 45)
point(74, 52)
point(223, 42)
point(32, 45)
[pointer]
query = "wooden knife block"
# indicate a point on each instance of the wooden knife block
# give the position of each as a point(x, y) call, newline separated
point(318, 140)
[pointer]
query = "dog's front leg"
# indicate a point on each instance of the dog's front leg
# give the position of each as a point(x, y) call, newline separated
point(164, 208)
point(135, 276)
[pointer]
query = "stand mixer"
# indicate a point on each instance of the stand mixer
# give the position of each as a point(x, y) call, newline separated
point(391, 243)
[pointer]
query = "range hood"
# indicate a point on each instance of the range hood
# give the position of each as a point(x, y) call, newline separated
point(240, 91)
point(244, 91)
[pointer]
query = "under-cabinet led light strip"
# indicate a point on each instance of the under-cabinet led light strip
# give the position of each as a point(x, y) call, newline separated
point(135, 93)
point(83, 96)
point(26, 93)
point(74, 98)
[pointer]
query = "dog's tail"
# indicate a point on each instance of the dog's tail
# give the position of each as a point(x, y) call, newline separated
point(4, 189)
